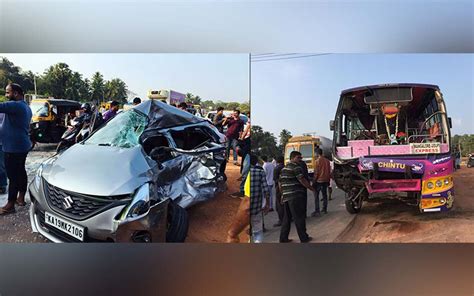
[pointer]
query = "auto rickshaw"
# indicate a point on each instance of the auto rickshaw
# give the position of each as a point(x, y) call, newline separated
point(49, 120)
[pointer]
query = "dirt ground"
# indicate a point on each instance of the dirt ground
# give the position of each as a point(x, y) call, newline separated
point(395, 221)
point(208, 222)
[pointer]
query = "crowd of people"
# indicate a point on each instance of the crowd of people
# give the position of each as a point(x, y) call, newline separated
point(284, 189)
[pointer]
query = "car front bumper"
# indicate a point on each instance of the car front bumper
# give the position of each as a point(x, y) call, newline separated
point(102, 227)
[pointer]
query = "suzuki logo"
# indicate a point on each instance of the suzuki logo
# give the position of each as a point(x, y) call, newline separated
point(67, 202)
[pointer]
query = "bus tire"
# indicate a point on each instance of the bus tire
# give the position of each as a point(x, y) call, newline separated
point(353, 206)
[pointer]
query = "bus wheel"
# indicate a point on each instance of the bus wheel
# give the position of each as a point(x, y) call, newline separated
point(354, 201)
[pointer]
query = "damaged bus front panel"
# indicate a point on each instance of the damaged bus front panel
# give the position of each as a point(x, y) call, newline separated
point(393, 140)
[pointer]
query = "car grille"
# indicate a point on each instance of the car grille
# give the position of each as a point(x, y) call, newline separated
point(80, 206)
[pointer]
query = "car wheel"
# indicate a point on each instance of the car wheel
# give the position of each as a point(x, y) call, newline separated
point(178, 224)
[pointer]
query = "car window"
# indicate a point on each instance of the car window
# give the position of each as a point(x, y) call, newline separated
point(192, 138)
point(151, 142)
point(158, 141)
point(123, 130)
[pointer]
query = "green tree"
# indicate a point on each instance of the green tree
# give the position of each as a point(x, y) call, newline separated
point(464, 142)
point(56, 79)
point(232, 106)
point(98, 88)
point(27, 81)
point(192, 99)
point(10, 73)
point(263, 143)
point(219, 103)
point(285, 135)
point(116, 89)
point(245, 108)
point(208, 105)
point(74, 86)
point(85, 94)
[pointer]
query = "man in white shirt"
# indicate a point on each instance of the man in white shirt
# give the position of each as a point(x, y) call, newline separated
point(268, 167)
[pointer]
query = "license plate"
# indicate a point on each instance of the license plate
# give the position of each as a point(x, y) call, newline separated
point(65, 226)
point(422, 148)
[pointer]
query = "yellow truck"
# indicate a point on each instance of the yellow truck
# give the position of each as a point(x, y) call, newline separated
point(306, 145)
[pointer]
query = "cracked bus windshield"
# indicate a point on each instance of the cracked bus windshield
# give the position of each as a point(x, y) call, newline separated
point(122, 131)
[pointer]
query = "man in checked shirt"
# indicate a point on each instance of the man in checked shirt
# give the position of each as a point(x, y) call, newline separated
point(258, 190)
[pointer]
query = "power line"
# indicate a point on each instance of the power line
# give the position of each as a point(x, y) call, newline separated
point(287, 58)
point(271, 55)
point(260, 54)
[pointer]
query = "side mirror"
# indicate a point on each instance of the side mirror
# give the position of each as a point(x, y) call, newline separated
point(331, 125)
point(450, 122)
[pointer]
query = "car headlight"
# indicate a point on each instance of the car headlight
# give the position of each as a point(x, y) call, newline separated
point(430, 185)
point(39, 172)
point(439, 183)
point(140, 203)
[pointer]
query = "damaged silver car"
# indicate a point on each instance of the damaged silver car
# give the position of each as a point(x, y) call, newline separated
point(131, 180)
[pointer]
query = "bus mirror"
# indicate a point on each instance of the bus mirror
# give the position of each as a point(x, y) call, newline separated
point(450, 122)
point(331, 125)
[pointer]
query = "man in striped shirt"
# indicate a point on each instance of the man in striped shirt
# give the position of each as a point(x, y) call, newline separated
point(293, 187)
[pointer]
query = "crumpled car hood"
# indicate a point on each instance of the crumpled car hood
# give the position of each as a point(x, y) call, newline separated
point(99, 170)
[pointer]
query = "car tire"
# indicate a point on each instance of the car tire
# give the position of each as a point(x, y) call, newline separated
point(178, 224)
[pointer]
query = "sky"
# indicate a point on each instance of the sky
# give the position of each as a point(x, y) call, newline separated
point(301, 95)
point(222, 77)
point(237, 26)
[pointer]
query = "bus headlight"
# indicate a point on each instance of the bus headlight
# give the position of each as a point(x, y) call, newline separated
point(430, 185)
point(439, 183)
point(446, 181)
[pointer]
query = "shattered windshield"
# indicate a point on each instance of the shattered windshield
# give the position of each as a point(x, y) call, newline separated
point(122, 131)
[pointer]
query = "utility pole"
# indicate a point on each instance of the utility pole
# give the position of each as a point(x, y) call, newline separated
point(34, 81)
